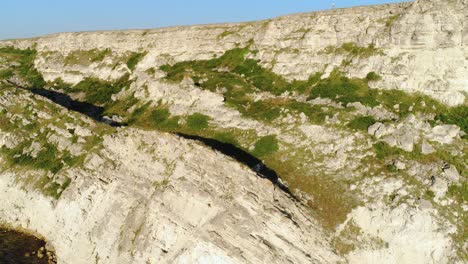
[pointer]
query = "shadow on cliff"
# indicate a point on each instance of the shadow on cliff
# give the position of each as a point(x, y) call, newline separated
point(96, 112)
point(243, 157)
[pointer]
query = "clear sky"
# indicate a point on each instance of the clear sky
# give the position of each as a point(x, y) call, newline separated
point(28, 18)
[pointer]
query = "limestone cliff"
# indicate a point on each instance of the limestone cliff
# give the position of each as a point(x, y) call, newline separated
point(423, 45)
point(357, 115)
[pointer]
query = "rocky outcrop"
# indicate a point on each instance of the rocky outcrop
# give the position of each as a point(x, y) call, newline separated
point(391, 179)
point(422, 46)
point(151, 197)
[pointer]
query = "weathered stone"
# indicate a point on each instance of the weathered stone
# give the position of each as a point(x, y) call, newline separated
point(426, 148)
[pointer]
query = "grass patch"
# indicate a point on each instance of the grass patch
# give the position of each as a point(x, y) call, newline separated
point(372, 76)
point(456, 115)
point(97, 92)
point(344, 90)
point(266, 145)
point(226, 138)
point(361, 122)
point(197, 122)
point(459, 192)
point(154, 118)
point(238, 74)
point(6, 74)
point(26, 69)
point(49, 158)
point(354, 50)
point(391, 20)
point(134, 59)
point(86, 57)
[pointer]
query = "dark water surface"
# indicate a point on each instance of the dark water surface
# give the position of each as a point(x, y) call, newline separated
point(21, 248)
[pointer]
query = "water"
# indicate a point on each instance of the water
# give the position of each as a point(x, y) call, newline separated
point(21, 248)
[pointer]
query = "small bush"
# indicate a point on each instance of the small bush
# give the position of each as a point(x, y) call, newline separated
point(383, 150)
point(262, 110)
point(456, 115)
point(134, 60)
point(161, 118)
point(361, 122)
point(372, 76)
point(265, 146)
point(86, 57)
point(6, 74)
point(98, 91)
point(26, 69)
point(429, 194)
point(197, 122)
point(354, 50)
point(342, 89)
point(459, 192)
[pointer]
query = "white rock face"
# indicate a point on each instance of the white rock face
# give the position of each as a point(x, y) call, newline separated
point(410, 229)
point(150, 197)
point(423, 44)
point(163, 199)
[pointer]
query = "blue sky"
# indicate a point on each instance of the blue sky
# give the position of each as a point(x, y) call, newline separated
point(27, 18)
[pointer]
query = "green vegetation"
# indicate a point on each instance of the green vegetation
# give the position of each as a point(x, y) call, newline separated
point(225, 137)
point(5, 74)
point(372, 76)
point(344, 90)
point(240, 77)
point(26, 69)
point(47, 158)
point(361, 122)
point(235, 73)
point(459, 192)
point(354, 50)
point(122, 106)
point(197, 122)
point(154, 118)
point(265, 146)
point(390, 20)
point(456, 115)
point(134, 59)
point(96, 91)
point(384, 152)
point(86, 57)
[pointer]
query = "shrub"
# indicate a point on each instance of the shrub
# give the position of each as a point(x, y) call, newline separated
point(383, 150)
point(265, 146)
point(315, 113)
point(5, 74)
point(361, 122)
point(430, 194)
point(372, 76)
point(262, 110)
point(26, 67)
point(354, 50)
point(342, 89)
point(456, 115)
point(134, 59)
point(161, 118)
point(459, 192)
point(98, 91)
point(197, 122)
point(86, 57)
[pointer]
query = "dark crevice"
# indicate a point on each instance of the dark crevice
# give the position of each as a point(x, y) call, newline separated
point(96, 112)
point(243, 157)
point(90, 110)
point(18, 247)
